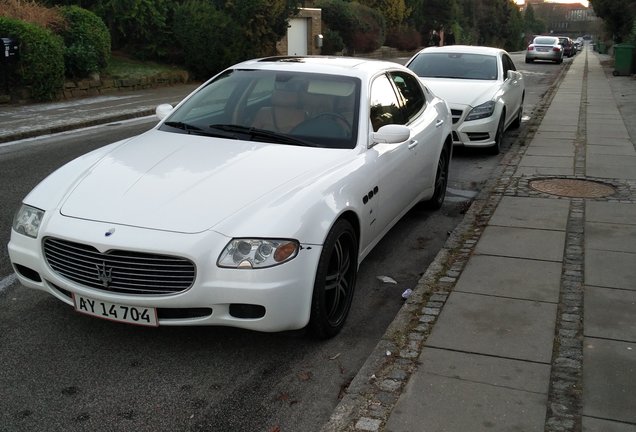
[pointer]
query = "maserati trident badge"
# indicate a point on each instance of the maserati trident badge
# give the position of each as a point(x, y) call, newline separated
point(104, 274)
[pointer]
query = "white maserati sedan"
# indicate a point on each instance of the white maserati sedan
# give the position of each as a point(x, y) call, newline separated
point(482, 86)
point(251, 204)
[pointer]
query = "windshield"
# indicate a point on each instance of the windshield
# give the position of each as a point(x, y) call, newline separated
point(455, 65)
point(273, 106)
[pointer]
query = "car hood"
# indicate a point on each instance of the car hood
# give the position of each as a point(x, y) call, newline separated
point(187, 183)
point(461, 91)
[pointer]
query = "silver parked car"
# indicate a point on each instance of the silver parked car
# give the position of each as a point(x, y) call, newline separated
point(545, 48)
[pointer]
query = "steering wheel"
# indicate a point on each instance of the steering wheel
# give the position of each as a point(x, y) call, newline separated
point(339, 118)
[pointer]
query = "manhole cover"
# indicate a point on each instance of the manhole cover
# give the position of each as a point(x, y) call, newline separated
point(573, 188)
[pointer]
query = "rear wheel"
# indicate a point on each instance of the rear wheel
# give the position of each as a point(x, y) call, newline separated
point(335, 281)
point(441, 181)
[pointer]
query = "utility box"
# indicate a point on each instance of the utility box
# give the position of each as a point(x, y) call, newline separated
point(10, 50)
point(623, 59)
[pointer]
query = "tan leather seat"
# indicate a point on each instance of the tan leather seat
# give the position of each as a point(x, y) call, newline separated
point(283, 115)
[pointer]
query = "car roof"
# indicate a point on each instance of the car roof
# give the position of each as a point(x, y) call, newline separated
point(472, 49)
point(351, 66)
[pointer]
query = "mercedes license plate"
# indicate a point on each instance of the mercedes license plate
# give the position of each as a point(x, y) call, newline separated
point(116, 312)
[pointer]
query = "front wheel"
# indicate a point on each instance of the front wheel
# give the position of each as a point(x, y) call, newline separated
point(501, 127)
point(335, 281)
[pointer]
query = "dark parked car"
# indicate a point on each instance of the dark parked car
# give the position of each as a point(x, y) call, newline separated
point(568, 46)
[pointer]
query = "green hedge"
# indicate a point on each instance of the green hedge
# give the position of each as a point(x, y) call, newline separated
point(41, 61)
point(87, 42)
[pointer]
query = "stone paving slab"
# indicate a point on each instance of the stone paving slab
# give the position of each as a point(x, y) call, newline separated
point(609, 374)
point(611, 160)
point(610, 269)
point(510, 328)
point(609, 314)
point(611, 150)
point(612, 237)
point(597, 425)
point(547, 161)
point(511, 277)
point(483, 407)
point(603, 171)
point(500, 372)
point(540, 213)
point(552, 143)
point(542, 171)
point(609, 142)
point(522, 243)
point(562, 150)
point(610, 212)
point(555, 135)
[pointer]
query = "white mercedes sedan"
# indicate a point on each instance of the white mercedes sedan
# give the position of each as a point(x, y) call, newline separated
point(482, 86)
point(251, 204)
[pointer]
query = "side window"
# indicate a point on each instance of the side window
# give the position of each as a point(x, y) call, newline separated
point(410, 92)
point(507, 65)
point(384, 107)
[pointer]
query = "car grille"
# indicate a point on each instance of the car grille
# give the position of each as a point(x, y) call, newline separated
point(457, 114)
point(119, 271)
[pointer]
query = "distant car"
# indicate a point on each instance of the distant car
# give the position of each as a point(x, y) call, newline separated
point(482, 87)
point(568, 46)
point(545, 48)
point(251, 204)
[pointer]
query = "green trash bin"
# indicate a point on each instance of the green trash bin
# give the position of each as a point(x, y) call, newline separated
point(623, 59)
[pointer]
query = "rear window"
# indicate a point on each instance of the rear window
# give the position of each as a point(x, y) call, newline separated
point(545, 40)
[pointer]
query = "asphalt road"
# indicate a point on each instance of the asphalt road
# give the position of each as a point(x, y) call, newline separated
point(61, 371)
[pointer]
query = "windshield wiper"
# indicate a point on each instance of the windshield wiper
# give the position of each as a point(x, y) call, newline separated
point(263, 135)
point(195, 130)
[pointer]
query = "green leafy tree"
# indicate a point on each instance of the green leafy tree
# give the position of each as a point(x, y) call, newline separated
point(87, 42)
point(618, 16)
point(395, 12)
point(533, 25)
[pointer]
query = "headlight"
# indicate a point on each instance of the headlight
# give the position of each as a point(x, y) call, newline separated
point(257, 253)
point(482, 111)
point(27, 220)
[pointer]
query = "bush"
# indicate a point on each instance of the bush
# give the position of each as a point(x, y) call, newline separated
point(332, 42)
point(32, 12)
point(370, 30)
point(208, 38)
point(404, 38)
point(87, 42)
point(41, 61)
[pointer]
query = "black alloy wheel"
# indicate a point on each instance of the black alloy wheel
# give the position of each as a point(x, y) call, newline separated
point(496, 148)
point(441, 181)
point(335, 281)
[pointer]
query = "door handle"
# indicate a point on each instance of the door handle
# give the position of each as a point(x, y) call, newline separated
point(413, 144)
point(438, 123)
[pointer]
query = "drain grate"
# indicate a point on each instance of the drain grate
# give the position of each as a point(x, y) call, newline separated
point(573, 188)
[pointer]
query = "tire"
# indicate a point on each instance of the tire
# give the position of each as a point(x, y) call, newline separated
point(441, 181)
point(501, 129)
point(335, 281)
point(529, 60)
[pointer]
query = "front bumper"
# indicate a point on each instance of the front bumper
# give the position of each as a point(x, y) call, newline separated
point(284, 292)
point(474, 133)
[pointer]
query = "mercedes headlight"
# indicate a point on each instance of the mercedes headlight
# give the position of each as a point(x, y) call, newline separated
point(27, 220)
point(245, 253)
point(481, 111)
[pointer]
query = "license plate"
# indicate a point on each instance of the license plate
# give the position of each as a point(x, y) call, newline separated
point(116, 312)
point(542, 49)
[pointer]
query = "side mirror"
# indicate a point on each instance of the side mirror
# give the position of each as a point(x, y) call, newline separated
point(163, 110)
point(391, 134)
point(513, 75)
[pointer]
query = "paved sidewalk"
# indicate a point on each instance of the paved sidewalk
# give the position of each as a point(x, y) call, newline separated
point(528, 322)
